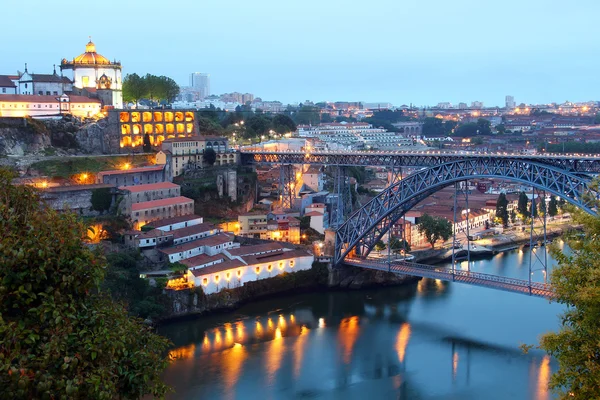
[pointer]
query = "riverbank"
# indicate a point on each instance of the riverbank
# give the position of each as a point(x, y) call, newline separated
point(191, 303)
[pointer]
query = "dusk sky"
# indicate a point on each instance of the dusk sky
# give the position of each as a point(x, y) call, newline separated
point(398, 51)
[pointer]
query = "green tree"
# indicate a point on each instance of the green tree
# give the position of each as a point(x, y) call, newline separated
point(209, 156)
point(433, 127)
point(513, 216)
point(502, 209)
point(434, 228)
point(380, 246)
point(484, 127)
point(134, 88)
point(466, 130)
point(283, 124)
point(575, 282)
point(552, 207)
point(101, 199)
point(307, 115)
point(208, 126)
point(501, 129)
point(147, 145)
point(397, 245)
point(60, 337)
point(523, 205)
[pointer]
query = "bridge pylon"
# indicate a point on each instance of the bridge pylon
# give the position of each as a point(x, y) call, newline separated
point(538, 238)
point(287, 186)
point(342, 205)
point(459, 252)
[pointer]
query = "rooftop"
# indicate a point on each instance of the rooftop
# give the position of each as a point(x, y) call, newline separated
point(210, 241)
point(131, 170)
point(149, 186)
point(202, 259)
point(5, 81)
point(191, 230)
point(172, 220)
point(161, 203)
point(256, 249)
point(223, 266)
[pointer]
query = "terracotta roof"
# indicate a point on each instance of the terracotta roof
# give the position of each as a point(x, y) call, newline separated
point(131, 171)
point(32, 98)
point(259, 248)
point(172, 220)
point(210, 241)
point(191, 230)
point(276, 256)
point(154, 233)
point(149, 186)
point(202, 259)
point(5, 81)
point(213, 269)
point(78, 187)
point(161, 203)
point(313, 214)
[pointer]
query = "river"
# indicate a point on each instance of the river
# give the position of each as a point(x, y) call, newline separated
point(428, 340)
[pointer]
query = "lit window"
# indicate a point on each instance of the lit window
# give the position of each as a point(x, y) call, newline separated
point(257, 269)
point(270, 267)
point(205, 281)
point(239, 273)
point(291, 263)
point(217, 277)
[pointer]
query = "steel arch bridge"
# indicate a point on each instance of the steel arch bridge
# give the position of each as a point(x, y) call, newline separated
point(365, 227)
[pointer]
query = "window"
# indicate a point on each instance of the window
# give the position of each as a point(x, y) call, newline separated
point(291, 263)
point(55, 93)
point(47, 93)
point(239, 273)
point(205, 281)
point(217, 278)
point(270, 267)
point(228, 276)
point(40, 92)
point(257, 269)
point(3, 90)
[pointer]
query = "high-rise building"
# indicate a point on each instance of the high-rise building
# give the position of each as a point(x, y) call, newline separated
point(200, 82)
point(477, 104)
point(510, 102)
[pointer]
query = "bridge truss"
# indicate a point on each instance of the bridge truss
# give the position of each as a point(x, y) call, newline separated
point(367, 225)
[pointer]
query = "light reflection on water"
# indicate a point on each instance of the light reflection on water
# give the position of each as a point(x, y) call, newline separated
point(431, 340)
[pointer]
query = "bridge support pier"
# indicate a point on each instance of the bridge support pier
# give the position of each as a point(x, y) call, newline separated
point(342, 206)
point(287, 186)
point(457, 256)
point(538, 258)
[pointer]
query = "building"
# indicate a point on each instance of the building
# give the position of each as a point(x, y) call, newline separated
point(97, 75)
point(132, 125)
point(147, 211)
point(44, 84)
point(187, 153)
point(319, 217)
point(477, 104)
point(211, 246)
point(38, 106)
point(278, 226)
point(313, 179)
point(200, 82)
point(230, 270)
point(169, 224)
point(510, 102)
point(132, 176)
point(141, 193)
point(7, 85)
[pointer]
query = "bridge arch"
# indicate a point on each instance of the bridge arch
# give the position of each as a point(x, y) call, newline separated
point(367, 225)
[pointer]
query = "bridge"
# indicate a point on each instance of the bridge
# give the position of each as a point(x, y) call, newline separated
point(564, 176)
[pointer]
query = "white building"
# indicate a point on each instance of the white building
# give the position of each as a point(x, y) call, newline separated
point(95, 73)
point(7, 84)
point(200, 83)
point(44, 84)
point(169, 224)
point(210, 245)
point(36, 106)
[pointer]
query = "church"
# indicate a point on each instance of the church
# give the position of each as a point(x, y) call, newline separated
point(96, 76)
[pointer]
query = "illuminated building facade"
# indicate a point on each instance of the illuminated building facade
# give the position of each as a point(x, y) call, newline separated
point(15, 105)
point(96, 74)
point(160, 125)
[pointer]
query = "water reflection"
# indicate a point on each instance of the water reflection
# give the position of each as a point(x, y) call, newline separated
point(320, 345)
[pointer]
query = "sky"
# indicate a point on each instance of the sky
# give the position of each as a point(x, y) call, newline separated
point(397, 51)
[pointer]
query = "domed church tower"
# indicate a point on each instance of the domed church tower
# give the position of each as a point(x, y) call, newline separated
point(96, 74)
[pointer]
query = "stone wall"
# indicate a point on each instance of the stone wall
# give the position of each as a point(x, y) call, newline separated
point(77, 199)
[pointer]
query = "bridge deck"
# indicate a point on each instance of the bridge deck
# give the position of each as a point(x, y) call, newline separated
point(472, 278)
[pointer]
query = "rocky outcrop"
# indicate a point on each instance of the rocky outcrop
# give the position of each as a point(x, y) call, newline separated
point(20, 136)
point(95, 138)
point(360, 278)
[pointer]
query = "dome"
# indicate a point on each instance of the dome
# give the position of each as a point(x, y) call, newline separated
point(90, 56)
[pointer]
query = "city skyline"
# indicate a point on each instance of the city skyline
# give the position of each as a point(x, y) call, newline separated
point(333, 52)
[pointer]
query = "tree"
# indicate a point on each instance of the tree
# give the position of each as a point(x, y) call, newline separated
point(147, 144)
point(466, 130)
point(134, 88)
point(552, 207)
point(209, 156)
point(326, 118)
point(380, 246)
point(502, 209)
point(307, 115)
point(501, 129)
point(60, 337)
point(397, 245)
point(542, 206)
point(513, 216)
point(434, 228)
point(433, 127)
point(283, 124)
point(523, 205)
point(575, 282)
point(101, 199)
point(484, 127)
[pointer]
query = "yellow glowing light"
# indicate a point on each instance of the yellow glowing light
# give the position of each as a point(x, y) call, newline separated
point(292, 319)
point(402, 341)
point(127, 165)
point(259, 328)
point(278, 334)
point(44, 184)
point(348, 334)
point(281, 322)
point(239, 328)
point(270, 323)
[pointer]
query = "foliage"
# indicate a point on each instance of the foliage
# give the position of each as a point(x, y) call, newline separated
point(397, 245)
point(283, 124)
point(502, 209)
point(572, 147)
point(466, 130)
point(307, 115)
point(209, 156)
point(434, 228)
point(60, 337)
point(208, 126)
point(67, 167)
point(523, 205)
point(501, 129)
point(575, 283)
point(124, 284)
point(380, 246)
point(552, 207)
point(304, 223)
point(101, 199)
point(150, 87)
point(437, 127)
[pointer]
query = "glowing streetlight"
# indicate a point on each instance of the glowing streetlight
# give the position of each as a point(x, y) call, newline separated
point(126, 166)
